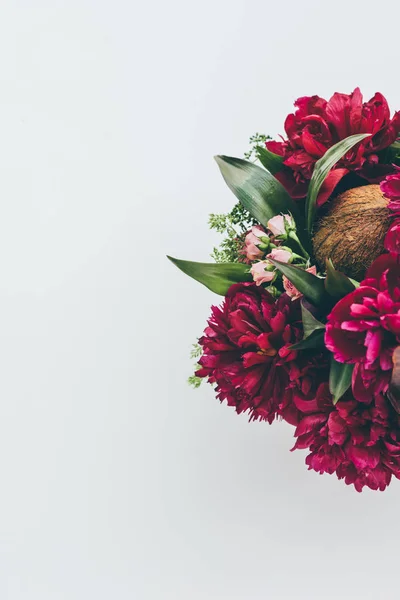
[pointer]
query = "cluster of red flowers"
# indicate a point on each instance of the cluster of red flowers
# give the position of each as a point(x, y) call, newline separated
point(359, 438)
point(253, 348)
point(318, 124)
point(247, 354)
point(316, 349)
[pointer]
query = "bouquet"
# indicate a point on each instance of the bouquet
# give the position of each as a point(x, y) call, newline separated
point(309, 326)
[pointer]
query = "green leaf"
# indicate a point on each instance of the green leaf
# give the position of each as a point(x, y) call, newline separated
point(339, 379)
point(311, 286)
point(269, 160)
point(259, 192)
point(310, 323)
point(390, 154)
point(355, 283)
point(314, 331)
point(337, 284)
point(321, 170)
point(314, 340)
point(217, 277)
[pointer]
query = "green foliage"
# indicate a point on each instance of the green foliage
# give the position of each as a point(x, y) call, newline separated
point(313, 331)
point(310, 323)
point(272, 162)
point(256, 140)
point(193, 380)
point(216, 277)
point(322, 169)
point(196, 351)
point(259, 191)
point(233, 226)
point(340, 375)
point(311, 286)
point(391, 154)
point(337, 284)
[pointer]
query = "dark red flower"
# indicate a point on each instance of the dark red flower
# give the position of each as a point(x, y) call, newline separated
point(359, 442)
point(316, 125)
point(246, 353)
point(364, 327)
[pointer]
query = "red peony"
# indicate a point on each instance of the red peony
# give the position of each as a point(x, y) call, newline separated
point(317, 125)
point(357, 441)
point(364, 327)
point(246, 353)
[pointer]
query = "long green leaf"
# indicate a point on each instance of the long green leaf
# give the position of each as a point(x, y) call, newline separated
point(269, 160)
point(391, 154)
point(314, 340)
point(321, 170)
point(311, 286)
point(259, 192)
point(310, 323)
point(314, 331)
point(218, 277)
point(339, 379)
point(337, 284)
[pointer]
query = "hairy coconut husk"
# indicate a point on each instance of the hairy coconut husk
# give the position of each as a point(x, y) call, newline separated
point(353, 231)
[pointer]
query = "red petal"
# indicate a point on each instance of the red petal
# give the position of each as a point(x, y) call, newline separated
point(329, 185)
point(309, 423)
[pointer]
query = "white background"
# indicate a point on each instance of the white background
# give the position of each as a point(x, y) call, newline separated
point(117, 481)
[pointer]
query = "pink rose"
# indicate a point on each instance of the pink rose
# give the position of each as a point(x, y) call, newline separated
point(280, 254)
point(252, 241)
point(259, 273)
point(276, 225)
point(291, 290)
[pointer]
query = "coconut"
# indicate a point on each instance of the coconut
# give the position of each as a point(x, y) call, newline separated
point(353, 230)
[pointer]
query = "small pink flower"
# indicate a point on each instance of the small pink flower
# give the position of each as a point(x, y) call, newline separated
point(276, 225)
point(291, 290)
point(280, 254)
point(260, 275)
point(252, 241)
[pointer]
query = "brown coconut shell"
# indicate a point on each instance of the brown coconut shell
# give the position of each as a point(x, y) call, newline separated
point(353, 230)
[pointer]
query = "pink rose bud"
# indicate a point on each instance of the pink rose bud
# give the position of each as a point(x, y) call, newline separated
point(276, 225)
point(251, 241)
point(260, 275)
point(292, 291)
point(280, 254)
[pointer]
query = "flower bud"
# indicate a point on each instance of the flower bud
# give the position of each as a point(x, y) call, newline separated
point(256, 243)
point(281, 225)
point(281, 253)
point(262, 272)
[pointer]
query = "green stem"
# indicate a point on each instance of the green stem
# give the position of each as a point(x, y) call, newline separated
point(294, 237)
